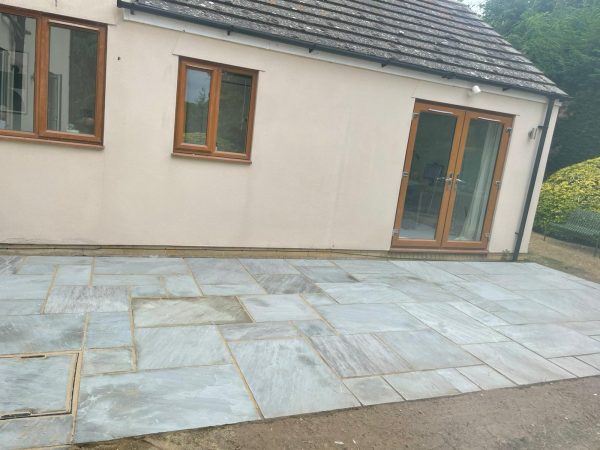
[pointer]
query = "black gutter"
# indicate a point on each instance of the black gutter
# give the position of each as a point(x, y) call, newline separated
point(533, 180)
point(135, 6)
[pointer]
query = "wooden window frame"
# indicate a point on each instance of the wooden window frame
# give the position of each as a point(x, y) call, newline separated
point(209, 151)
point(40, 132)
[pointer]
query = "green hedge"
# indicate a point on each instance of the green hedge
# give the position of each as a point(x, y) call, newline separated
point(576, 186)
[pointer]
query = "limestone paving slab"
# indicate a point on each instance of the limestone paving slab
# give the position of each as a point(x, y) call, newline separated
point(264, 330)
point(353, 266)
point(96, 362)
point(282, 374)
point(181, 286)
point(458, 380)
point(479, 314)
point(576, 366)
point(456, 267)
point(286, 284)
point(327, 274)
point(592, 360)
point(140, 266)
point(311, 263)
point(107, 330)
point(273, 308)
point(487, 291)
point(485, 377)
point(73, 275)
point(37, 269)
point(167, 347)
point(151, 291)
point(20, 307)
point(346, 293)
point(551, 340)
point(427, 272)
point(80, 299)
point(35, 432)
point(453, 324)
point(126, 280)
point(232, 289)
point(372, 390)
point(161, 400)
point(518, 364)
point(37, 385)
point(219, 271)
point(41, 333)
point(321, 299)
point(313, 328)
point(9, 264)
point(577, 304)
point(369, 318)
point(59, 260)
point(427, 349)
point(517, 312)
point(358, 355)
point(417, 385)
point(24, 287)
point(269, 266)
point(590, 328)
point(198, 311)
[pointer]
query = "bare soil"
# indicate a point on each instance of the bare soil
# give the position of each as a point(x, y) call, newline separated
point(561, 415)
point(571, 258)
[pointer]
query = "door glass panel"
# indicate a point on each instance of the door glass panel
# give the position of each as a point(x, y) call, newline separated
point(474, 182)
point(197, 98)
point(234, 109)
point(17, 67)
point(72, 75)
point(426, 182)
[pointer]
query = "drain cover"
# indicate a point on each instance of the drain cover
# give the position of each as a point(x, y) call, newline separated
point(35, 386)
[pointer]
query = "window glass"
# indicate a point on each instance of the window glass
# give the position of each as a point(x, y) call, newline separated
point(72, 80)
point(197, 97)
point(234, 109)
point(17, 69)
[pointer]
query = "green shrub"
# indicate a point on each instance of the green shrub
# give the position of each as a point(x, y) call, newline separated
point(576, 186)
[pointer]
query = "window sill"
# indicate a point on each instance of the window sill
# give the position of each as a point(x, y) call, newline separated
point(176, 154)
point(36, 140)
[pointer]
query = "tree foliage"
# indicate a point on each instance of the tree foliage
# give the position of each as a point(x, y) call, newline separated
point(562, 37)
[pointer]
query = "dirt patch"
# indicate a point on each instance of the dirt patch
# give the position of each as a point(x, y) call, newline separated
point(575, 259)
point(559, 415)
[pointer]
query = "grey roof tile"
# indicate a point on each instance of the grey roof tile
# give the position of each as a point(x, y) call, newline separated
point(439, 36)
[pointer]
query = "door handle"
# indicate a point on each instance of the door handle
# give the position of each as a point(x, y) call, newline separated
point(449, 179)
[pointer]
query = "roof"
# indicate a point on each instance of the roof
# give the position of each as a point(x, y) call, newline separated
point(442, 37)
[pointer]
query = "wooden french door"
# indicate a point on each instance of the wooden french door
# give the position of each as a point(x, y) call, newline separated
point(452, 174)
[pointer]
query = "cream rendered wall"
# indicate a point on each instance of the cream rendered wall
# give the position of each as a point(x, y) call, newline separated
point(328, 152)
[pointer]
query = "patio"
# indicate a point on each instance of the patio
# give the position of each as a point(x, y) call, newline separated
point(99, 348)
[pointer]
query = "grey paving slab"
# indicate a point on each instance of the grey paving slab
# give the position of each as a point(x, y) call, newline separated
point(96, 362)
point(69, 260)
point(37, 269)
point(452, 323)
point(25, 287)
point(516, 312)
point(311, 263)
point(327, 274)
point(456, 267)
point(36, 432)
point(426, 349)
point(369, 318)
point(314, 328)
point(181, 286)
point(286, 284)
point(372, 390)
point(114, 406)
point(232, 289)
point(346, 293)
point(500, 268)
point(155, 291)
point(75, 275)
point(426, 271)
point(167, 347)
point(203, 310)
point(592, 360)
point(588, 328)
point(529, 281)
point(458, 380)
point(485, 377)
point(319, 299)
point(108, 330)
point(551, 340)
point(20, 307)
point(425, 292)
point(576, 366)
point(219, 271)
point(367, 266)
point(140, 266)
point(268, 266)
point(9, 264)
point(78, 299)
point(487, 291)
point(37, 385)
point(126, 280)
point(40, 333)
point(418, 385)
point(273, 308)
point(253, 331)
point(283, 373)
point(578, 305)
point(358, 355)
point(479, 314)
point(518, 364)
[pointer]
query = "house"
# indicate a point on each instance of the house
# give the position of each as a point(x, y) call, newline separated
point(404, 125)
